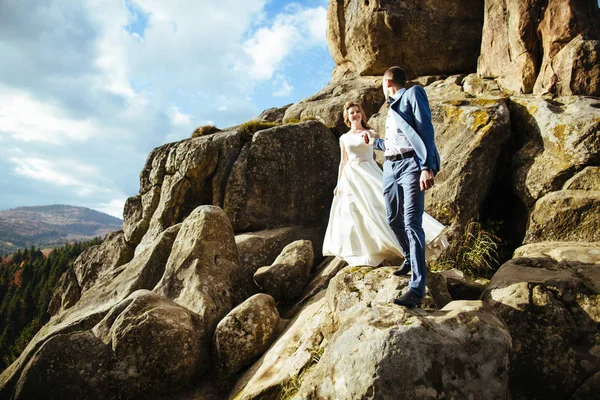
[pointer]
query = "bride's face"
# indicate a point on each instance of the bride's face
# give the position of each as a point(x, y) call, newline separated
point(354, 114)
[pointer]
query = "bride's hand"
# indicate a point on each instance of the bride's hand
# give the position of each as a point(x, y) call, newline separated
point(366, 137)
point(335, 191)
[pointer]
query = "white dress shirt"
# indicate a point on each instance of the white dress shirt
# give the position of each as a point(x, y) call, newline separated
point(395, 140)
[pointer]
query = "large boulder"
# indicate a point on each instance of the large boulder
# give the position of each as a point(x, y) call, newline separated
point(549, 297)
point(274, 114)
point(245, 334)
point(286, 278)
point(144, 331)
point(459, 352)
point(284, 176)
point(367, 37)
point(519, 36)
point(469, 134)
point(261, 248)
point(129, 354)
point(68, 366)
point(357, 304)
point(203, 266)
point(557, 138)
point(566, 215)
point(574, 70)
point(327, 105)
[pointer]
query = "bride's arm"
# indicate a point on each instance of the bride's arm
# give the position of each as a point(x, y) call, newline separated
point(375, 140)
point(343, 160)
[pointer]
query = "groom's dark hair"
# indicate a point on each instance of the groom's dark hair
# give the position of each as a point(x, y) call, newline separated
point(396, 75)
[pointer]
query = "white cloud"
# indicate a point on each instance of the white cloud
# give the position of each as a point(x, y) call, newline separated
point(113, 207)
point(27, 119)
point(283, 86)
point(178, 118)
point(301, 29)
point(63, 173)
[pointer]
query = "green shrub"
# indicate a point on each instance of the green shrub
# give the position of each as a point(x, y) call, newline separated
point(205, 130)
point(251, 127)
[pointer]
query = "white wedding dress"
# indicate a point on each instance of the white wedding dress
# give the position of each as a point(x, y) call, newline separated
point(358, 231)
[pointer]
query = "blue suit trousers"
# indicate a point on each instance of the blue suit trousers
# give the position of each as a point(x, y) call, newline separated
point(405, 206)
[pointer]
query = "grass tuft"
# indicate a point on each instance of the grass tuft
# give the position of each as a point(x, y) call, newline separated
point(477, 253)
point(205, 130)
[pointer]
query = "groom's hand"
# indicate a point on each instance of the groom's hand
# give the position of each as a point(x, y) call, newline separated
point(427, 179)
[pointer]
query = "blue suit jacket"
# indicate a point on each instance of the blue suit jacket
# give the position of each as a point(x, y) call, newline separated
point(413, 116)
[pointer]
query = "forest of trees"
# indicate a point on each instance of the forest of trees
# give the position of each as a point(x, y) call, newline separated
point(27, 281)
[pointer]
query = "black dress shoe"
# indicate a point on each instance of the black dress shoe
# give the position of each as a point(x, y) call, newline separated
point(409, 299)
point(402, 271)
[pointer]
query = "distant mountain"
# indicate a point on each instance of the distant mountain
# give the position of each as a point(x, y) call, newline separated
point(52, 226)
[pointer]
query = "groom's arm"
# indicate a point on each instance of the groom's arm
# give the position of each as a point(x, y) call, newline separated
point(379, 144)
point(423, 125)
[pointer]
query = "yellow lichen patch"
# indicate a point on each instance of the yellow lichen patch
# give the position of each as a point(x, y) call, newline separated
point(452, 113)
point(532, 109)
point(559, 133)
point(480, 119)
point(485, 102)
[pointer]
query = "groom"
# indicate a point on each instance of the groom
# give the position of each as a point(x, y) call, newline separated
point(411, 162)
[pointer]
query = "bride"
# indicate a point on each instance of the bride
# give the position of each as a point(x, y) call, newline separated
point(358, 231)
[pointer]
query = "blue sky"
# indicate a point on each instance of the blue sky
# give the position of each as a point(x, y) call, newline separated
point(88, 88)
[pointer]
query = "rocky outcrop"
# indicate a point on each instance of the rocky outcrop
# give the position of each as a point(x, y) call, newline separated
point(285, 359)
point(261, 248)
point(367, 37)
point(549, 298)
point(286, 278)
point(327, 105)
point(245, 334)
point(522, 44)
point(469, 135)
point(70, 365)
point(177, 178)
point(284, 176)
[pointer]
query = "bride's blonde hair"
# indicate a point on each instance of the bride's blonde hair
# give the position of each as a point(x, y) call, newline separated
point(349, 104)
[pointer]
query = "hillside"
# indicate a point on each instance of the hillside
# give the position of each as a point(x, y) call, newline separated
point(51, 226)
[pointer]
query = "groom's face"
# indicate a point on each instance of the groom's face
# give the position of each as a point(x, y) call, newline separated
point(384, 84)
